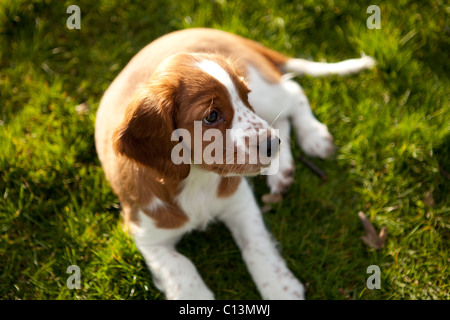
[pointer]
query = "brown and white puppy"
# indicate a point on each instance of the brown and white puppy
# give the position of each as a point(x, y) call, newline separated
point(175, 133)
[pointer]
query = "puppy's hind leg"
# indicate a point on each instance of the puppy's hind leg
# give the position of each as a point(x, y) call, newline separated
point(283, 168)
point(312, 135)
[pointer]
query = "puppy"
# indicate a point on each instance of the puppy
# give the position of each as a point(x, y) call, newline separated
point(175, 133)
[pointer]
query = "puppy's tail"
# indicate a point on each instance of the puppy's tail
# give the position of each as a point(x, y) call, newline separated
point(317, 69)
point(305, 67)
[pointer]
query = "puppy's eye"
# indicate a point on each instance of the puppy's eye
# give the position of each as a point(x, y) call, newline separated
point(211, 118)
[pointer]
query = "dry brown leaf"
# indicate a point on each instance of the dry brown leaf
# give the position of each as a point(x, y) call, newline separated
point(82, 109)
point(372, 239)
point(272, 198)
point(429, 200)
point(266, 208)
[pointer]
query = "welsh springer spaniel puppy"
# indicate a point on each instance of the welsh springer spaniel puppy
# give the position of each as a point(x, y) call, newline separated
point(175, 132)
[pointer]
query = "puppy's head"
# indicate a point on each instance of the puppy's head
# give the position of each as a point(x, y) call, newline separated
point(195, 110)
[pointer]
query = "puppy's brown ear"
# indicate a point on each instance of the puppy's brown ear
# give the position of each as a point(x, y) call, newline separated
point(144, 134)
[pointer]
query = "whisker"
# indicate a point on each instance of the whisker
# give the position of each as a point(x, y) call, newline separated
point(279, 114)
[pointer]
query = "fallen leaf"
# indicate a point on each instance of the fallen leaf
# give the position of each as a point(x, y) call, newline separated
point(266, 208)
point(345, 292)
point(272, 198)
point(372, 239)
point(429, 200)
point(82, 109)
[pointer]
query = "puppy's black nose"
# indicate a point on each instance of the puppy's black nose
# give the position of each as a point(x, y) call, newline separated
point(272, 144)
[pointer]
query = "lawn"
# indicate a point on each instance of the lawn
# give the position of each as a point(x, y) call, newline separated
point(391, 125)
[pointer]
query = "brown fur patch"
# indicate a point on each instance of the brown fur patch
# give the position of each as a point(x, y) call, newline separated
point(144, 135)
point(228, 186)
point(137, 186)
point(167, 216)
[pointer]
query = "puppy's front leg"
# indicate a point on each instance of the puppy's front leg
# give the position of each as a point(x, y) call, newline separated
point(282, 170)
point(268, 269)
point(173, 273)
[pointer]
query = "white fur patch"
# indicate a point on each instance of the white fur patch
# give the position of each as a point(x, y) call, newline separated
point(215, 70)
point(244, 119)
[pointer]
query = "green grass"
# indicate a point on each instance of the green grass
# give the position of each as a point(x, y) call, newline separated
point(391, 125)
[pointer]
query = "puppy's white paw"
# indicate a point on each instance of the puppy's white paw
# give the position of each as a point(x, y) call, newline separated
point(281, 181)
point(317, 141)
